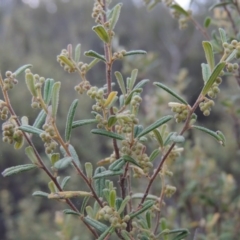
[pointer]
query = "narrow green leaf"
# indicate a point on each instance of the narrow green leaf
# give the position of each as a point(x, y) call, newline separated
point(126, 235)
point(154, 154)
point(171, 92)
point(40, 119)
point(216, 71)
point(179, 9)
point(167, 140)
point(31, 129)
point(94, 54)
point(133, 78)
point(158, 137)
point(102, 33)
point(80, 123)
point(67, 61)
point(40, 194)
point(141, 195)
point(112, 198)
point(84, 205)
point(120, 81)
point(112, 120)
point(63, 163)
point(129, 159)
point(74, 155)
point(106, 233)
point(207, 22)
point(115, 16)
point(232, 55)
point(134, 52)
point(54, 158)
point(70, 116)
point(145, 206)
point(215, 135)
point(19, 143)
point(55, 98)
point(18, 169)
point(177, 138)
point(107, 134)
point(22, 69)
point(117, 165)
point(137, 130)
point(206, 72)
point(47, 91)
point(89, 211)
point(31, 154)
point(207, 46)
point(92, 63)
point(129, 98)
point(107, 173)
point(155, 125)
point(99, 184)
point(77, 53)
point(141, 84)
point(183, 233)
point(223, 35)
point(71, 212)
point(148, 219)
point(96, 224)
point(65, 181)
point(29, 79)
point(118, 203)
point(89, 169)
point(123, 204)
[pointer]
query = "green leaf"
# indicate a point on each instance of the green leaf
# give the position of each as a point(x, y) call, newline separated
point(112, 120)
point(183, 233)
point(40, 194)
point(120, 81)
point(145, 206)
point(70, 116)
point(96, 224)
point(129, 98)
point(148, 219)
point(88, 169)
point(107, 134)
point(141, 84)
point(77, 53)
point(134, 52)
point(225, 3)
point(112, 198)
point(141, 195)
point(207, 46)
point(47, 91)
point(99, 184)
point(80, 123)
point(137, 130)
point(29, 79)
point(223, 35)
point(167, 140)
point(115, 16)
point(133, 78)
point(63, 163)
point(207, 22)
point(102, 33)
point(74, 155)
point(177, 138)
point(71, 212)
point(107, 173)
point(118, 203)
point(106, 233)
point(155, 125)
point(40, 119)
point(171, 92)
point(18, 169)
point(92, 63)
point(219, 137)
point(216, 71)
point(22, 69)
point(123, 204)
point(31, 154)
point(158, 137)
point(84, 205)
point(31, 129)
point(154, 154)
point(126, 235)
point(65, 181)
point(206, 72)
point(117, 165)
point(127, 158)
point(179, 9)
point(94, 54)
point(232, 55)
point(55, 98)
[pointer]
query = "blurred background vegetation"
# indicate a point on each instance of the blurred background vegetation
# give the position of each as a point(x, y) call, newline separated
point(206, 176)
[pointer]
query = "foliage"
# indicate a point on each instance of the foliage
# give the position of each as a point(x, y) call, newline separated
point(118, 208)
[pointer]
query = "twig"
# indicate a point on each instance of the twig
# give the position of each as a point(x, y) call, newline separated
point(231, 20)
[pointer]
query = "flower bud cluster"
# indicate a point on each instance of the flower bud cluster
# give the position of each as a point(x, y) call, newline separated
point(118, 55)
point(9, 81)
point(169, 190)
point(83, 87)
point(174, 154)
point(97, 11)
point(231, 67)
point(111, 215)
point(214, 90)
point(126, 119)
point(66, 62)
point(136, 100)
point(3, 110)
point(229, 47)
point(180, 109)
point(137, 151)
point(182, 19)
point(11, 132)
point(206, 106)
point(47, 137)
